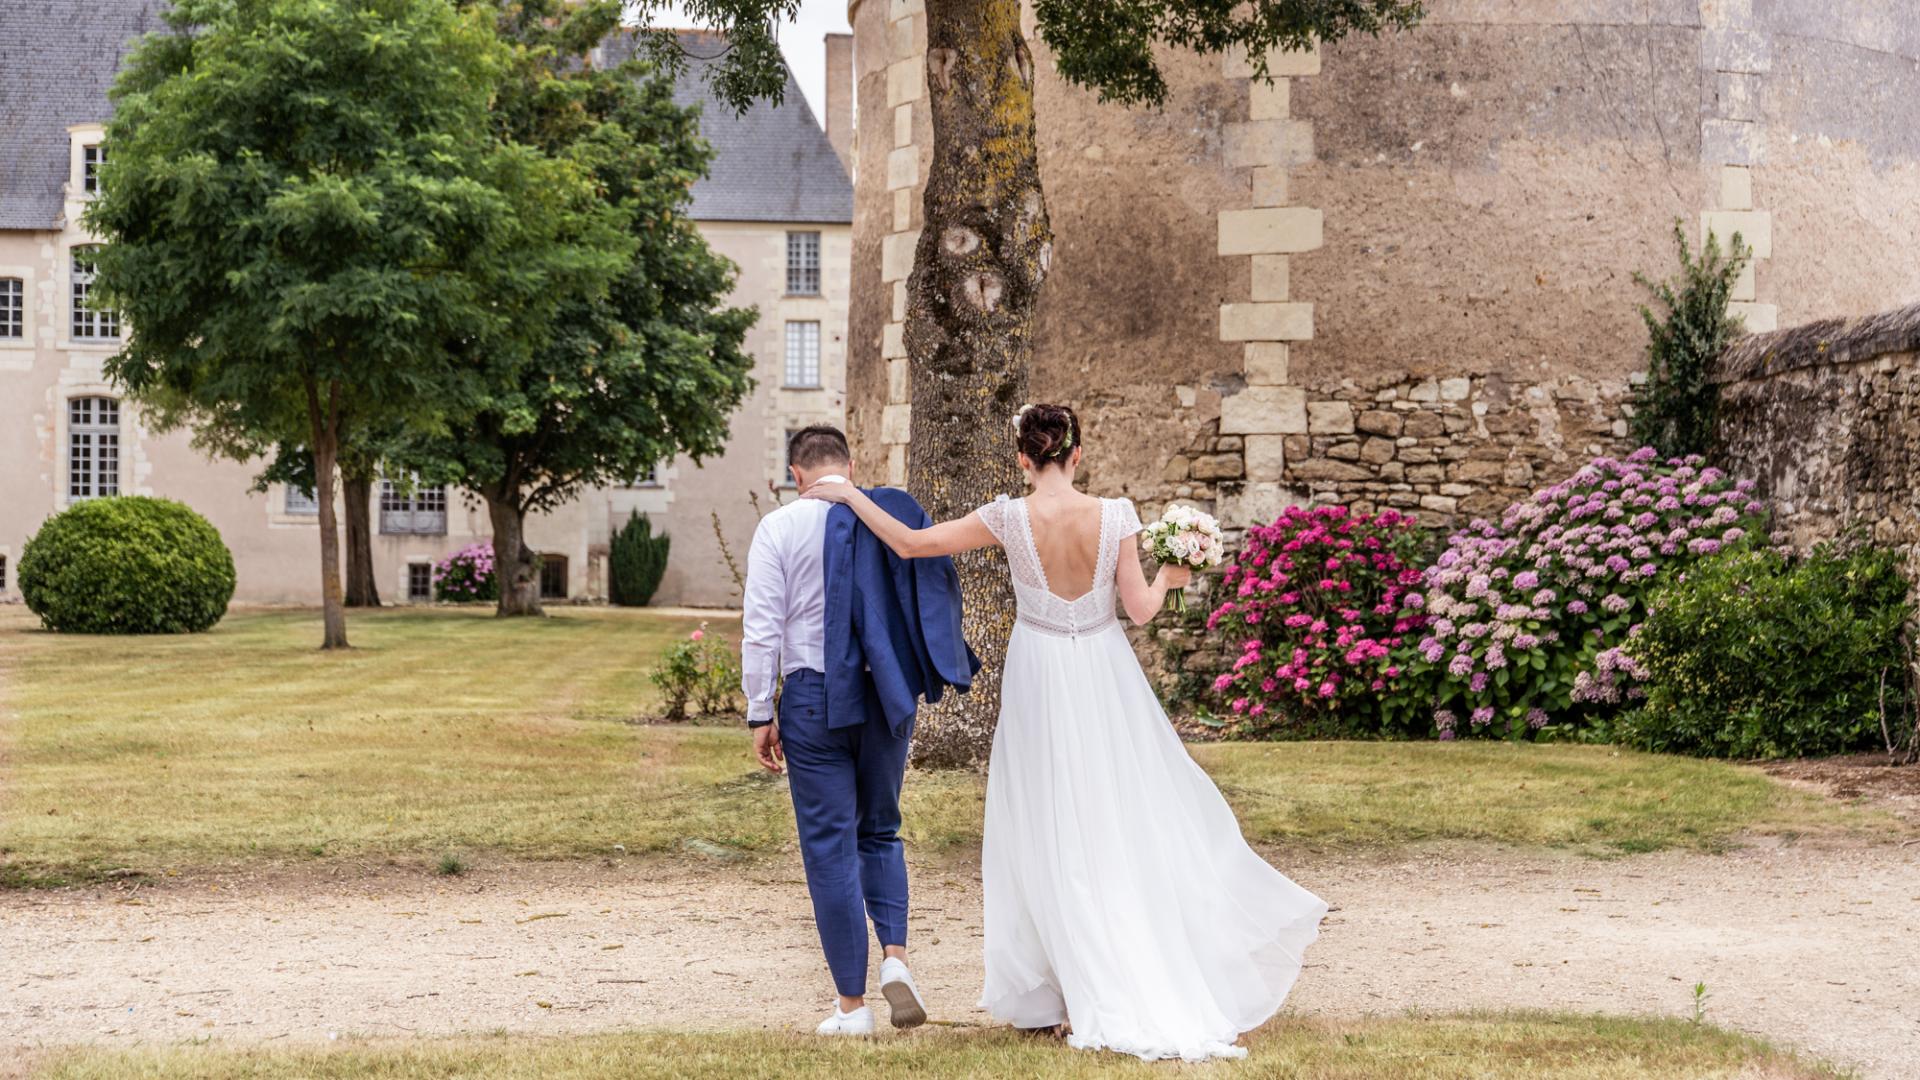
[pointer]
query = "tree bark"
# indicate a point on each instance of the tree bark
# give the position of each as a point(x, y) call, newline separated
point(324, 416)
point(516, 568)
point(985, 247)
point(356, 484)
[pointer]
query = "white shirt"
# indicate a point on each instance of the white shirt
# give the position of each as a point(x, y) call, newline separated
point(783, 626)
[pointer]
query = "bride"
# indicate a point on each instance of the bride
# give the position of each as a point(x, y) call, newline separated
point(1121, 900)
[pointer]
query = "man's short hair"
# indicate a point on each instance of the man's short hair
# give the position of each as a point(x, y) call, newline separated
point(820, 444)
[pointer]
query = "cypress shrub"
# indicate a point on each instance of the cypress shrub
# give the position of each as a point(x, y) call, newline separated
point(637, 563)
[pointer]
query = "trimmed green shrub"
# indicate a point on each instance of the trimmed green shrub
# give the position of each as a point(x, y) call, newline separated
point(1760, 655)
point(127, 565)
point(638, 561)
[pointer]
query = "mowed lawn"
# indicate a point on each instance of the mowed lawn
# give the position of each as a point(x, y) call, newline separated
point(1488, 1047)
point(452, 732)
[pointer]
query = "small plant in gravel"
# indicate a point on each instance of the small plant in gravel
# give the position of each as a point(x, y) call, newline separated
point(1318, 602)
point(1528, 615)
point(450, 865)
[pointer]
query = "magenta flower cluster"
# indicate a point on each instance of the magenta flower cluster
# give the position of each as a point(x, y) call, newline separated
point(1318, 604)
point(466, 575)
point(1527, 616)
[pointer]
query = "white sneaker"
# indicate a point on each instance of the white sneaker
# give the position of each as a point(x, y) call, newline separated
point(896, 985)
point(857, 1022)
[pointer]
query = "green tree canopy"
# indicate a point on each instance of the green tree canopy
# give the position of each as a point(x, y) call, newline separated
point(309, 225)
point(626, 378)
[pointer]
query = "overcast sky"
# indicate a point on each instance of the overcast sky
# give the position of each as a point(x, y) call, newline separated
point(803, 42)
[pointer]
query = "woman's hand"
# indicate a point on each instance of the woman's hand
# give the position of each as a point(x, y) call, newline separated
point(1175, 575)
point(833, 491)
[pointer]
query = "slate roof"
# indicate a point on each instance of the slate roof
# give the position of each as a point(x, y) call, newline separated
point(770, 164)
point(57, 62)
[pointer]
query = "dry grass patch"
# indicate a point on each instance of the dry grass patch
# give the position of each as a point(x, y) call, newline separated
point(1487, 1047)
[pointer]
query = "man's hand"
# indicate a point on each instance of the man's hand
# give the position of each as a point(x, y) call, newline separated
point(766, 747)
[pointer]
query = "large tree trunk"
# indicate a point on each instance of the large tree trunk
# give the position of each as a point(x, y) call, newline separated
point(324, 416)
point(516, 568)
point(984, 249)
point(356, 482)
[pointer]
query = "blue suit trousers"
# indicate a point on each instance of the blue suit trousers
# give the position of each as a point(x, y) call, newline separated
point(846, 802)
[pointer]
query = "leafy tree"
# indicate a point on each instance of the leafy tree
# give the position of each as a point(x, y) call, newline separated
point(1676, 410)
point(309, 223)
point(627, 378)
point(986, 245)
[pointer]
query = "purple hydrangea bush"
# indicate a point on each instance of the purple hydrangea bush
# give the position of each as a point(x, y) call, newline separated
point(466, 576)
point(1526, 618)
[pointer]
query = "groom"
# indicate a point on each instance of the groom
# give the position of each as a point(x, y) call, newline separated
point(852, 637)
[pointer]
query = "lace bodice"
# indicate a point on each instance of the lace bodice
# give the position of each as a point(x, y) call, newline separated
point(1039, 606)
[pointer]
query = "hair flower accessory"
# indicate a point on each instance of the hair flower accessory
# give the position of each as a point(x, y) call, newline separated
point(1019, 415)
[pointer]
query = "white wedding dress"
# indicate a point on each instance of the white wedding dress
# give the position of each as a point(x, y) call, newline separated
point(1120, 895)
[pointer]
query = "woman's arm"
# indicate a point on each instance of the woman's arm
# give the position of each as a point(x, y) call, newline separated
point(1143, 600)
point(942, 538)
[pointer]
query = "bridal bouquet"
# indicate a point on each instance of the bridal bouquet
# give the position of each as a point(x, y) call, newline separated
point(1188, 537)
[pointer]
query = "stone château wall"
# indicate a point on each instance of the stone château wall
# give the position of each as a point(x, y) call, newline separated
point(1825, 419)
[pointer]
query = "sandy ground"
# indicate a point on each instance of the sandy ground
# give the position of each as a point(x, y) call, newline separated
point(1813, 947)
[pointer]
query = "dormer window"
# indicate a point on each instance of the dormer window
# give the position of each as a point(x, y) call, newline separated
point(91, 158)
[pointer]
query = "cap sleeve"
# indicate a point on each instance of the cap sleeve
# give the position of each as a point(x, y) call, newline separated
point(994, 516)
point(1125, 519)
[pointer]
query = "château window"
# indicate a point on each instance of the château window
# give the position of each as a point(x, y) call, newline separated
point(91, 158)
point(553, 577)
point(649, 477)
point(803, 264)
point(803, 355)
point(13, 308)
point(412, 510)
point(301, 501)
point(419, 581)
point(88, 323)
point(93, 447)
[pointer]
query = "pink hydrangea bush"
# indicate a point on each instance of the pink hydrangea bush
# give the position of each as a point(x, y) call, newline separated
point(1527, 617)
point(466, 576)
point(1317, 607)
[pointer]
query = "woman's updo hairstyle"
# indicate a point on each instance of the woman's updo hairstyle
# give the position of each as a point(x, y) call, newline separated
point(1047, 434)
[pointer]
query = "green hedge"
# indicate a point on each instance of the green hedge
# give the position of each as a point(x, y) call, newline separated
point(1760, 655)
point(127, 565)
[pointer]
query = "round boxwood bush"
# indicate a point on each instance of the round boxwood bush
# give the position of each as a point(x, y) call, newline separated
point(127, 565)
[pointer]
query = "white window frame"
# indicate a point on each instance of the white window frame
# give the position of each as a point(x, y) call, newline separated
point(92, 156)
point(93, 447)
point(803, 263)
point(13, 309)
point(412, 508)
point(803, 355)
point(299, 502)
point(87, 324)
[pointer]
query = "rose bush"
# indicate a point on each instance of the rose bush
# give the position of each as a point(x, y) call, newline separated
point(1527, 617)
point(1318, 604)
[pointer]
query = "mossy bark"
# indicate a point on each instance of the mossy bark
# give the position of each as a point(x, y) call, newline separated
point(356, 484)
point(985, 247)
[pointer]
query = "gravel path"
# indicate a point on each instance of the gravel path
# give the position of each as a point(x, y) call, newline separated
point(1813, 947)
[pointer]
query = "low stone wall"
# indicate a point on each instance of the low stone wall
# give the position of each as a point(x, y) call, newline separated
point(1825, 419)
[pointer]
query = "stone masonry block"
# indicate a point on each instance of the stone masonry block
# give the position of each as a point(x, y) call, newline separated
point(1266, 363)
point(893, 340)
point(1266, 322)
point(1270, 230)
point(1270, 186)
point(1743, 288)
point(1266, 457)
point(1271, 277)
point(1759, 318)
point(1268, 142)
point(896, 255)
point(1754, 226)
point(899, 381)
point(1736, 187)
point(1737, 95)
point(1329, 418)
point(896, 424)
point(1736, 50)
point(1235, 64)
point(900, 9)
point(904, 80)
point(900, 301)
point(903, 125)
point(902, 209)
point(1732, 142)
point(1264, 410)
point(1269, 100)
point(903, 168)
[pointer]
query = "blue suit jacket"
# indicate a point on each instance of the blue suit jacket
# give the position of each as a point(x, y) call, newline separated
point(893, 624)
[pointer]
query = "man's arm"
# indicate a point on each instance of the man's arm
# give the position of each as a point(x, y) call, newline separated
point(763, 603)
